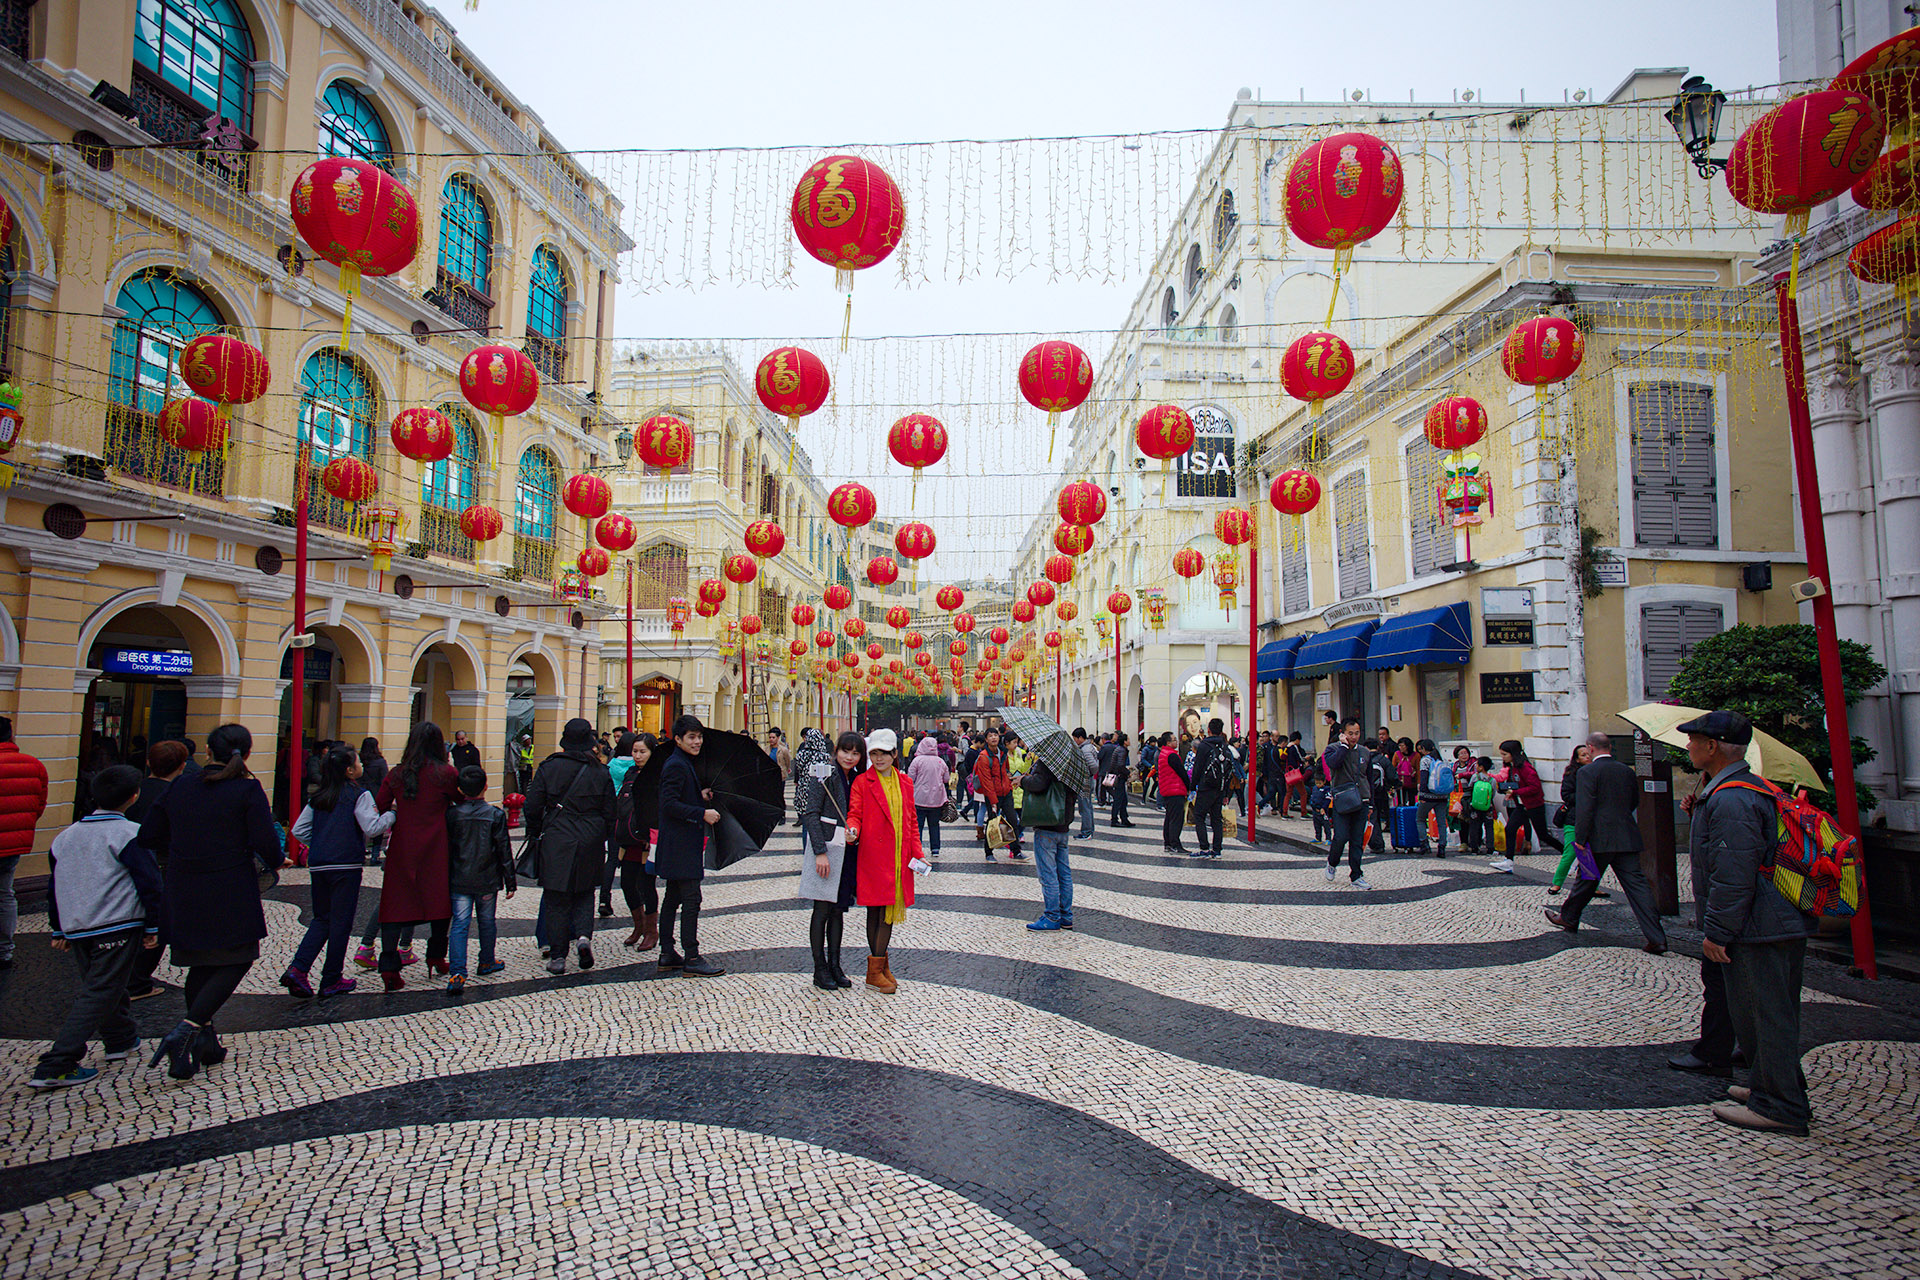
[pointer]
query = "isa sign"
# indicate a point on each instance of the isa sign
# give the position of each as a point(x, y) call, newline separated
point(147, 662)
point(1207, 470)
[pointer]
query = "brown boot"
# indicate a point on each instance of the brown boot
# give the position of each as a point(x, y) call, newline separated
point(639, 927)
point(650, 931)
point(877, 975)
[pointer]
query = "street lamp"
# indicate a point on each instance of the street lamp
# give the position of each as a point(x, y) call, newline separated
point(1695, 117)
point(623, 445)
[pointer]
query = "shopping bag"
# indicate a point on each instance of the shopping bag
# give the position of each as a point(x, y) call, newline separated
point(1499, 837)
point(1433, 825)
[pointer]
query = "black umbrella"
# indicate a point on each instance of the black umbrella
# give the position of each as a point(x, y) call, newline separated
point(745, 782)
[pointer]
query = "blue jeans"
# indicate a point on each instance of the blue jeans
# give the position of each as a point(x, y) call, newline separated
point(929, 827)
point(465, 907)
point(1086, 817)
point(1056, 874)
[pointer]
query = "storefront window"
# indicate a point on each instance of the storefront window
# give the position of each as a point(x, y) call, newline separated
point(1442, 704)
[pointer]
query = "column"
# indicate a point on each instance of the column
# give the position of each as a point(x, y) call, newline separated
point(1895, 378)
point(52, 690)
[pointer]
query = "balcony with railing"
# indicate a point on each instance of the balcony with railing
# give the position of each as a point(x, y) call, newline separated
point(532, 558)
point(549, 356)
point(180, 122)
point(135, 449)
point(461, 302)
point(440, 533)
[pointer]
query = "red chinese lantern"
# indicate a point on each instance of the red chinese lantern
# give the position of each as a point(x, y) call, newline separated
point(802, 615)
point(1072, 539)
point(950, 598)
point(988, 654)
point(998, 635)
point(1189, 562)
point(1053, 639)
point(1059, 569)
point(360, 218)
point(751, 624)
point(837, 596)
point(874, 652)
point(663, 442)
point(1542, 351)
point(1055, 376)
point(1066, 611)
point(1804, 152)
point(500, 381)
point(798, 648)
point(194, 426)
point(1040, 594)
point(1890, 255)
point(850, 660)
point(917, 440)
point(854, 627)
point(1023, 611)
point(706, 608)
point(739, 569)
point(481, 523)
point(1317, 367)
point(963, 623)
point(1293, 493)
point(1892, 182)
point(898, 616)
point(587, 496)
point(713, 592)
point(348, 479)
point(792, 382)
point(424, 435)
point(1082, 502)
point(848, 213)
point(923, 658)
point(1119, 603)
point(882, 571)
point(218, 366)
point(594, 562)
point(894, 664)
point(1341, 192)
point(1233, 526)
point(851, 505)
point(833, 666)
point(913, 640)
point(1456, 423)
point(615, 532)
point(1888, 75)
point(764, 539)
point(958, 648)
point(823, 638)
point(1164, 432)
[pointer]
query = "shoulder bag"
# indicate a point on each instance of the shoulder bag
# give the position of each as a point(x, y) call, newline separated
point(527, 865)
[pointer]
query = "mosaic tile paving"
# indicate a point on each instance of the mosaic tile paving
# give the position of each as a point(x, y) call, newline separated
point(1230, 1068)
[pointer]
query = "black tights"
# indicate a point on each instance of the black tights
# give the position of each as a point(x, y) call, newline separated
point(825, 929)
point(640, 889)
point(209, 986)
point(879, 932)
point(683, 895)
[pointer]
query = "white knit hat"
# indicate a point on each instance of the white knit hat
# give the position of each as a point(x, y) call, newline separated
point(883, 740)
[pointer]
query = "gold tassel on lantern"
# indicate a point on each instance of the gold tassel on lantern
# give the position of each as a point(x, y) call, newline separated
point(349, 290)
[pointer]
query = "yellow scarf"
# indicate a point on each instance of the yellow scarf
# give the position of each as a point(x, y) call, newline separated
point(890, 789)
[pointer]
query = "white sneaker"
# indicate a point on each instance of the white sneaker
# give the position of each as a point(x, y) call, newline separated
point(1361, 883)
point(1502, 864)
point(1329, 874)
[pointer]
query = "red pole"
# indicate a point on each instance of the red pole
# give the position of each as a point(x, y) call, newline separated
point(297, 668)
point(1814, 530)
point(1116, 670)
point(1056, 684)
point(631, 726)
point(1253, 673)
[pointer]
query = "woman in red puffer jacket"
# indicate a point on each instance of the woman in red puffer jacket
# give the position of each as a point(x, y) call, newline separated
point(23, 798)
point(1171, 777)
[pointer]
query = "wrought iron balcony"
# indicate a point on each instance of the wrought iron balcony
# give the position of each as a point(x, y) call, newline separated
point(462, 303)
point(532, 558)
point(179, 121)
point(549, 356)
point(135, 449)
point(440, 532)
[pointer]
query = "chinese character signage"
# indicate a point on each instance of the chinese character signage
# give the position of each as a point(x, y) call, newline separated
point(147, 662)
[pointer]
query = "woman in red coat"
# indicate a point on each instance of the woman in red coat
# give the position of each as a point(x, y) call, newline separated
point(414, 888)
point(881, 816)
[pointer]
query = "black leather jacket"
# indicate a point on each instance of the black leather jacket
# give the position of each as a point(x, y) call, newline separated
point(479, 857)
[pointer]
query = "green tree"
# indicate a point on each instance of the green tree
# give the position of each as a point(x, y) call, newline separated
point(1771, 675)
point(894, 708)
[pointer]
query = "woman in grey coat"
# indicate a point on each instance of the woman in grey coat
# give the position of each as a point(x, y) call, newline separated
point(827, 858)
point(570, 812)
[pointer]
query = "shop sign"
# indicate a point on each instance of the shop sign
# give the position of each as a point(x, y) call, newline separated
point(1507, 686)
point(147, 662)
point(1347, 610)
point(648, 699)
point(319, 665)
point(1206, 471)
point(1510, 631)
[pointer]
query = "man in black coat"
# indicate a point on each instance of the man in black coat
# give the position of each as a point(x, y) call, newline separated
point(463, 753)
point(1606, 798)
point(570, 813)
point(1113, 764)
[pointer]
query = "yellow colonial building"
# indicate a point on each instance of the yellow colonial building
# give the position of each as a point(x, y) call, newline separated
point(146, 593)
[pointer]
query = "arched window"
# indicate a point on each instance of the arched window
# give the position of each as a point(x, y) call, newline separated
point(1169, 309)
point(162, 315)
point(464, 289)
point(535, 493)
point(338, 407)
point(447, 488)
point(547, 315)
point(351, 129)
point(192, 53)
point(1229, 324)
point(1196, 272)
point(662, 574)
point(1224, 220)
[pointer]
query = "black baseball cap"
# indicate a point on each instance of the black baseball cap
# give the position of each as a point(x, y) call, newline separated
point(1725, 726)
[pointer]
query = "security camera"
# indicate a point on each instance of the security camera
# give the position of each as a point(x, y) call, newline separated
point(1808, 589)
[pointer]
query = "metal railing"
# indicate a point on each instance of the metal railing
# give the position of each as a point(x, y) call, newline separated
point(440, 532)
point(549, 356)
point(134, 449)
point(177, 120)
point(532, 558)
point(461, 302)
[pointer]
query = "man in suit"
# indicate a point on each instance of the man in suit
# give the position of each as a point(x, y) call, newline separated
point(1605, 800)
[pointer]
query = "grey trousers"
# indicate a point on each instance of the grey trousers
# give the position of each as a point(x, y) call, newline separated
point(9, 906)
point(1626, 869)
point(100, 1009)
point(1763, 995)
point(568, 917)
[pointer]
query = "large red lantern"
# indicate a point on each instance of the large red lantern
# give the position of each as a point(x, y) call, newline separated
point(424, 435)
point(1893, 181)
point(958, 648)
point(914, 541)
point(218, 366)
point(923, 658)
point(348, 479)
point(882, 571)
point(615, 532)
point(1040, 594)
point(194, 426)
point(1317, 367)
point(837, 596)
point(898, 616)
point(1233, 526)
point(587, 496)
point(706, 608)
point(764, 539)
point(950, 598)
point(823, 638)
point(854, 627)
point(1188, 562)
point(594, 562)
point(1023, 611)
point(1053, 639)
point(1341, 192)
point(999, 635)
point(481, 523)
point(1066, 611)
point(792, 382)
point(848, 213)
point(1888, 76)
point(739, 569)
point(1119, 603)
point(500, 381)
point(1055, 376)
point(875, 652)
point(360, 218)
point(751, 624)
point(802, 615)
point(1059, 569)
point(1804, 152)
point(798, 648)
point(1072, 539)
point(963, 623)
point(1542, 351)
point(664, 443)
point(1164, 432)
point(851, 505)
point(1456, 423)
point(1890, 255)
point(1293, 493)
point(713, 592)
point(917, 440)
point(913, 640)
point(1083, 502)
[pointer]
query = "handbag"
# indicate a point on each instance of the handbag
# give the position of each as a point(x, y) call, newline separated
point(1583, 859)
point(1049, 808)
point(527, 865)
point(1294, 778)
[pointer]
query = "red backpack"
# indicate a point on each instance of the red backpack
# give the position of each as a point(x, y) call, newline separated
point(1816, 865)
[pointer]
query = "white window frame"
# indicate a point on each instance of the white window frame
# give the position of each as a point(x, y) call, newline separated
point(1624, 380)
point(1637, 598)
point(1364, 467)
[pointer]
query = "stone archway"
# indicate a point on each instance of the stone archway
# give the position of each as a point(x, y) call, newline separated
point(536, 698)
point(150, 670)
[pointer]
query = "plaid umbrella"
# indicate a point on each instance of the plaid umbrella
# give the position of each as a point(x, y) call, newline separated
point(1051, 743)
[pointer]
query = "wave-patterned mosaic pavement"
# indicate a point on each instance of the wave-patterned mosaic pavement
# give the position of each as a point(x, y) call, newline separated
point(1229, 1069)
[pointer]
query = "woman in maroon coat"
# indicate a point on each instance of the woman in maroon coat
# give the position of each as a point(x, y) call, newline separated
point(414, 889)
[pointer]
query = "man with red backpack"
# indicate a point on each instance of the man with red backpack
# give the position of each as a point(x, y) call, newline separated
point(1755, 937)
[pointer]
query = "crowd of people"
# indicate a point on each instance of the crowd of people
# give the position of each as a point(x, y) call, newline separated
point(178, 856)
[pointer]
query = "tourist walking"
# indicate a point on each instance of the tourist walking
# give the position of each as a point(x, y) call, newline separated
point(215, 838)
point(1215, 773)
point(1435, 786)
point(1605, 823)
point(479, 866)
point(1049, 812)
point(1563, 818)
point(1170, 779)
point(569, 818)
point(413, 890)
point(636, 812)
point(1114, 769)
point(879, 816)
point(23, 798)
point(1090, 754)
point(829, 858)
point(928, 773)
point(994, 783)
point(1526, 804)
point(1347, 764)
point(103, 906)
point(335, 829)
point(167, 763)
point(680, 854)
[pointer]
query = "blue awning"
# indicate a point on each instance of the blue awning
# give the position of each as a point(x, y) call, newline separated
point(1440, 635)
point(1276, 659)
point(1341, 649)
